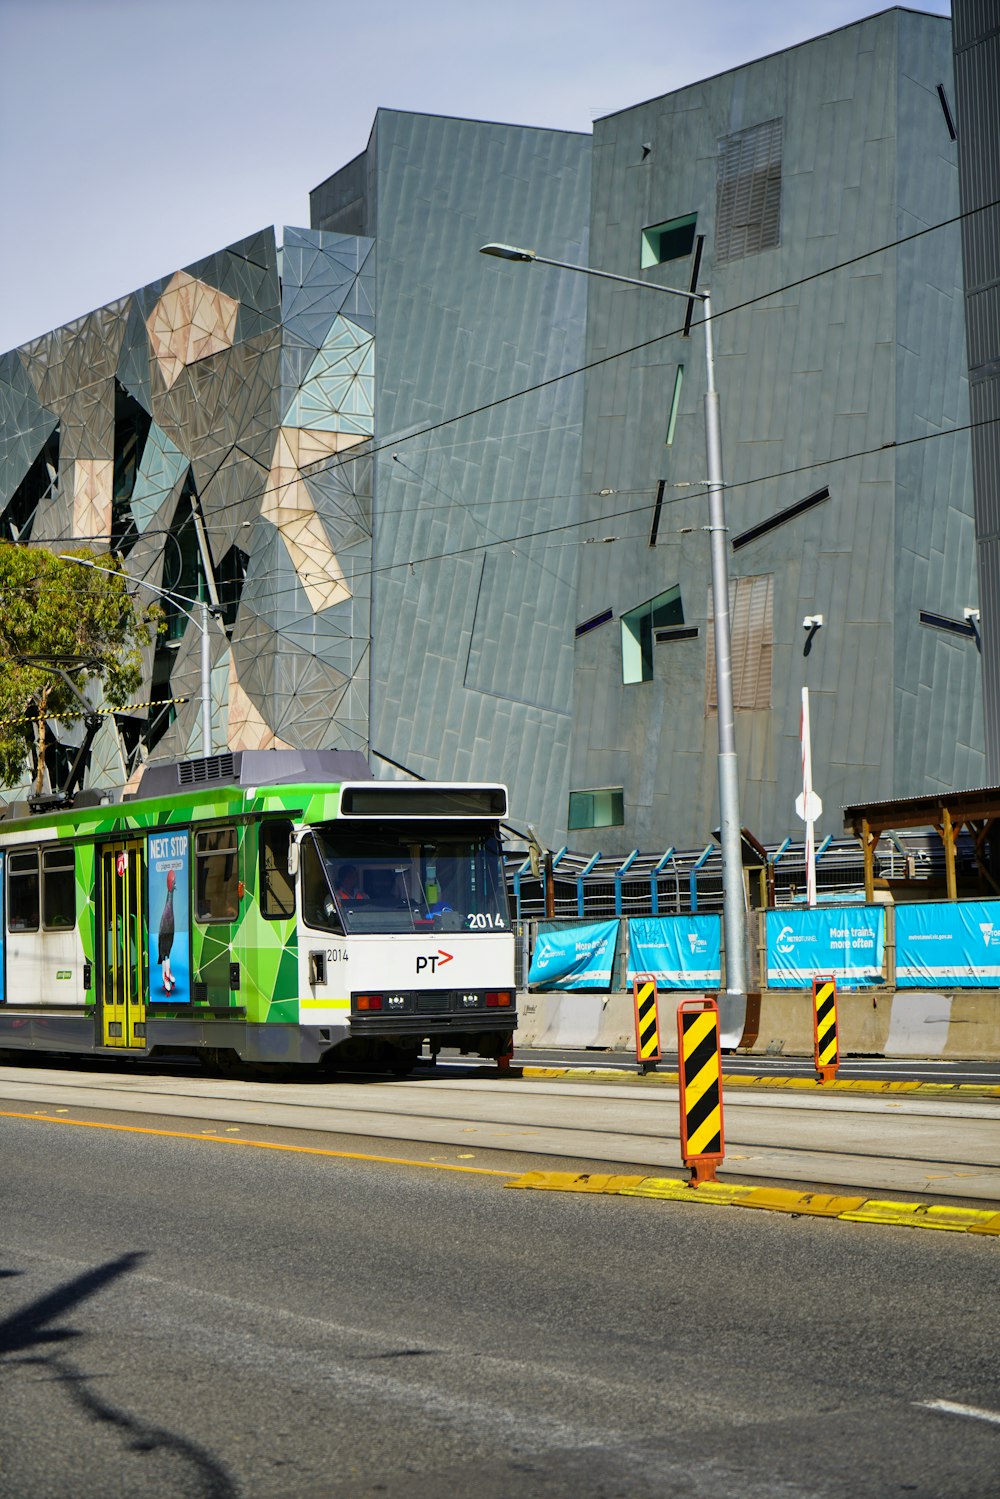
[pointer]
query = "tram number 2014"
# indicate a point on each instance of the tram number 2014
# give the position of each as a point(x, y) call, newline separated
point(336, 955)
point(485, 921)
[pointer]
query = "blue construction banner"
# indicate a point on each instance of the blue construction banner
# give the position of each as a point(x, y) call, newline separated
point(847, 944)
point(957, 943)
point(575, 957)
point(682, 952)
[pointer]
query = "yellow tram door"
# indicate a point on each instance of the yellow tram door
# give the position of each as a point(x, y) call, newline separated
point(122, 953)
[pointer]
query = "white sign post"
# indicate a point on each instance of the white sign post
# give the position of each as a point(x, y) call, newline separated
point(807, 804)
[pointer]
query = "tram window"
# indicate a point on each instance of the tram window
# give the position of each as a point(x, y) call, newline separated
point(277, 892)
point(58, 888)
point(319, 909)
point(22, 892)
point(216, 875)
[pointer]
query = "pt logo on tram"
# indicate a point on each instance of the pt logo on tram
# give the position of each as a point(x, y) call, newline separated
point(434, 963)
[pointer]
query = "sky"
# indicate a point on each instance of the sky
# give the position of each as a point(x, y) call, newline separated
point(137, 136)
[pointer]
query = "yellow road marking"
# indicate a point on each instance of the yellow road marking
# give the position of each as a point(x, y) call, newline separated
point(778, 1199)
point(179, 1134)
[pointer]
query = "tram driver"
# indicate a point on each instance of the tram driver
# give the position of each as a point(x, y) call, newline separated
point(349, 887)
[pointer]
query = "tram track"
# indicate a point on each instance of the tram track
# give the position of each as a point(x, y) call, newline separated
point(942, 1148)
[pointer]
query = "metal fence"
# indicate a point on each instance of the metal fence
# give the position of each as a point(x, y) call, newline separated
point(595, 886)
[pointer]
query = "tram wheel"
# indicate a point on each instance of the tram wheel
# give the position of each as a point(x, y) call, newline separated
point(402, 1062)
point(221, 1059)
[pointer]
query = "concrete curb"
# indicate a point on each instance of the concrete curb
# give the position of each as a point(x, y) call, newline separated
point(782, 1084)
point(772, 1199)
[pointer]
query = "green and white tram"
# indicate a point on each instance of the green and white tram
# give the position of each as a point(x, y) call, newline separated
point(267, 906)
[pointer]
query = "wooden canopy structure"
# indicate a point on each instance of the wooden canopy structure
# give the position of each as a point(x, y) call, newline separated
point(948, 814)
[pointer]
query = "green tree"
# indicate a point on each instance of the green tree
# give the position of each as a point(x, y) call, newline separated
point(61, 624)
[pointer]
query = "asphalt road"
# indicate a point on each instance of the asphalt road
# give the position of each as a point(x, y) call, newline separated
point(184, 1318)
point(937, 1148)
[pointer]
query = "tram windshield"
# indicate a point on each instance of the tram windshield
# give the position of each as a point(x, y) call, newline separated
point(403, 877)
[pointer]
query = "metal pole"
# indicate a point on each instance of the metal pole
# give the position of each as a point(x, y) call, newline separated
point(730, 835)
point(730, 832)
point(206, 681)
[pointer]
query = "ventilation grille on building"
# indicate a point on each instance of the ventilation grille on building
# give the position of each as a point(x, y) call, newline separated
point(748, 191)
point(212, 768)
point(751, 608)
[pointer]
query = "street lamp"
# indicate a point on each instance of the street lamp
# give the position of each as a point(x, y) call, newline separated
point(200, 619)
point(733, 921)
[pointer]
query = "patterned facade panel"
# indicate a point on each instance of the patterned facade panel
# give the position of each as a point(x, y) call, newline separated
point(161, 469)
point(133, 359)
point(170, 399)
point(25, 424)
point(190, 321)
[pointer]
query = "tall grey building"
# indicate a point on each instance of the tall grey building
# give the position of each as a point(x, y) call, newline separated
point(976, 26)
point(807, 181)
point(453, 509)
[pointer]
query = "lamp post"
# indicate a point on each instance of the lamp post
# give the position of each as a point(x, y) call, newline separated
point(200, 619)
point(730, 836)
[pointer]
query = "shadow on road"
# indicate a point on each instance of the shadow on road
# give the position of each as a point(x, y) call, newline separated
point(29, 1338)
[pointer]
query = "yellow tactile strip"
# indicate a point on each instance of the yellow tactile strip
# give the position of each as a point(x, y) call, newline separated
point(774, 1199)
point(746, 1080)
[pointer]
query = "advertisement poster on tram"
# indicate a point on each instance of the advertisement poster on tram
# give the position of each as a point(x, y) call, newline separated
point(169, 918)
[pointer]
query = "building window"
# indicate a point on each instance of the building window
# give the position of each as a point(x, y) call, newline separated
point(277, 892)
point(751, 614)
point(637, 633)
point(58, 888)
point(22, 892)
point(670, 241)
point(593, 622)
point(754, 533)
point(748, 192)
point(217, 875)
point(675, 404)
point(597, 809)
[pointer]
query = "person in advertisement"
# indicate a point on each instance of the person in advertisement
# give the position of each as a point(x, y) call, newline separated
point(169, 908)
point(165, 935)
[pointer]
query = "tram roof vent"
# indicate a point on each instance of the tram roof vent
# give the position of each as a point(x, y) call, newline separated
point(253, 768)
point(211, 768)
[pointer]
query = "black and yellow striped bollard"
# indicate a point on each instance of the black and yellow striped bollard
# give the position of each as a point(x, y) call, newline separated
point(699, 1059)
point(826, 1048)
point(647, 1022)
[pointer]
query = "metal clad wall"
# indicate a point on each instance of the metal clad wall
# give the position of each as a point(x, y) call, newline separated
point(977, 112)
point(938, 701)
point(807, 377)
point(473, 639)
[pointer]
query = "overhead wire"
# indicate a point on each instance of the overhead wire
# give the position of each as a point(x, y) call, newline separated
point(363, 451)
point(370, 450)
